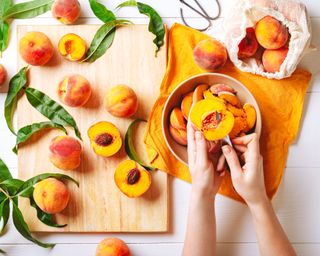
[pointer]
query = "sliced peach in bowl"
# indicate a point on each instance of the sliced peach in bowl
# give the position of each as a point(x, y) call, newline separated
point(186, 104)
point(132, 179)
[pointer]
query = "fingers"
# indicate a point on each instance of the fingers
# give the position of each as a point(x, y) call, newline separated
point(221, 161)
point(201, 148)
point(191, 143)
point(245, 140)
point(232, 160)
point(251, 141)
point(240, 148)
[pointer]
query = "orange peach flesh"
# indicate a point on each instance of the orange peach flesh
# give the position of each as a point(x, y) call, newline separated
point(72, 47)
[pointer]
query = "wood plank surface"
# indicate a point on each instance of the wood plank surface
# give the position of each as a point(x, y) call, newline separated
point(97, 205)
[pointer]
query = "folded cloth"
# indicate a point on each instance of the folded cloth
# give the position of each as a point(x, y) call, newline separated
point(280, 103)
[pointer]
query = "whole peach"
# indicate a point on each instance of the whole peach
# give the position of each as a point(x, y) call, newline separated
point(36, 48)
point(273, 59)
point(210, 55)
point(74, 91)
point(66, 11)
point(121, 101)
point(65, 152)
point(112, 247)
point(3, 74)
point(51, 195)
point(271, 33)
point(248, 45)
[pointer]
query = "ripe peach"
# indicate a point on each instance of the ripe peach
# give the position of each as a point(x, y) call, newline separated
point(178, 127)
point(112, 247)
point(186, 104)
point(3, 74)
point(121, 101)
point(273, 59)
point(72, 47)
point(248, 45)
point(65, 152)
point(210, 54)
point(66, 11)
point(271, 33)
point(35, 48)
point(74, 91)
point(51, 195)
point(179, 135)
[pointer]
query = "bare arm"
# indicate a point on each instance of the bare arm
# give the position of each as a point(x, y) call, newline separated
point(201, 227)
point(248, 180)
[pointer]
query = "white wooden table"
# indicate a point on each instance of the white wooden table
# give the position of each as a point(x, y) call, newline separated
point(296, 203)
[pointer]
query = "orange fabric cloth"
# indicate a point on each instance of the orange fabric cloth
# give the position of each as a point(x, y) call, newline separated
point(280, 102)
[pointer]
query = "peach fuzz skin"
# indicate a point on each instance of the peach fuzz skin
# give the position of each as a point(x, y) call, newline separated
point(74, 91)
point(36, 48)
point(3, 74)
point(121, 101)
point(210, 55)
point(273, 59)
point(112, 247)
point(271, 33)
point(65, 152)
point(51, 195)
point(66, 11)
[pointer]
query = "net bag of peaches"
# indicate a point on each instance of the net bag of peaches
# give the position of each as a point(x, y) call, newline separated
point(265, 37)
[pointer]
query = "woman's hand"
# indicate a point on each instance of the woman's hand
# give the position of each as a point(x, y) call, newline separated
point(205, 179)
point(248, 180)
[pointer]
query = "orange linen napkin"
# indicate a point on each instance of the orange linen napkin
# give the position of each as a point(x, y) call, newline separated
point(280, 102)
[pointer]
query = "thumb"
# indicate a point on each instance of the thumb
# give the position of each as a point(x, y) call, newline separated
point(232, 160)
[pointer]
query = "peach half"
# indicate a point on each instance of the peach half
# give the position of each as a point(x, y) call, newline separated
point(248, 45)
point(72, 47)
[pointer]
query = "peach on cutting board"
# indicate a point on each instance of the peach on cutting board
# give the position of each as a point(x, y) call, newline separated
point(132, 179)
point(65, 152)
point(273, 59)
point(51, 195)
point(271, 33)
point(66, 11)
point(121, 101)
point(248, 45)
point(105, 139)
point(210, 55)
point(74, 91)
point(3, 74)
point(72, 47)
point(36, 48)
point(112, 247)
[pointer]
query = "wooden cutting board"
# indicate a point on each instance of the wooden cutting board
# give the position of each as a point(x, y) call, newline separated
point(97, 205)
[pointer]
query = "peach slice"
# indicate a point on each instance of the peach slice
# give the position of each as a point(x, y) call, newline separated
point(51, 195)
point(72, 47)
point(177, 120)
point(271, 33)
point(74, 91)
point(210, 55)
point(248, 45)
point(230, 98)
point(217, 88)
point(186, 104)
point(198, 92)
point(251, 116)
point(212, 119)
point(239, 126)
point(105, 139)
point(179, 135)
point(235, 111)
point(132, 179)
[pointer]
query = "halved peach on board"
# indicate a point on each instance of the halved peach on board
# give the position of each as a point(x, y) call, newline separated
point(212, 119)
point(72, 47)
point(132, 179)
point(186, 104)
point(105, 138)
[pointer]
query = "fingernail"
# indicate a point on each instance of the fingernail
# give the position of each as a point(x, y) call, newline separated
point(198, 135)
point(226, 149)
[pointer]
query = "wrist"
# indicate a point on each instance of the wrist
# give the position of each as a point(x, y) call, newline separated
point(201, 194)
point(262, 203)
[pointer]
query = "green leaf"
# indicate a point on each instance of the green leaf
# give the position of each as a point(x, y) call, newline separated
point(129, 145)
point(4, 214)
point(23, 228)
point(156, 25)
point(101, 11)
point(26, 189)
point(28, 10)
point(4, 34)
point(27, 131)
point(15, 85)
point(4, 172)
point(103, 39)
point(2, 251)
point(12, 186)
point(51, 109)
point(4, 6)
